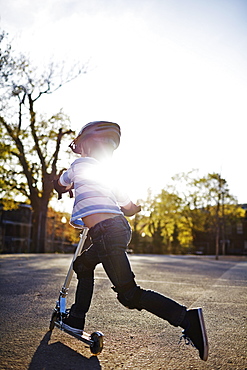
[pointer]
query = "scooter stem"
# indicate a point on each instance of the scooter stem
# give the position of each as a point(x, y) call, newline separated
point(83, 236)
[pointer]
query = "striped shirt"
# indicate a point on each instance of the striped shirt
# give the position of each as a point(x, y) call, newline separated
point(92, 192)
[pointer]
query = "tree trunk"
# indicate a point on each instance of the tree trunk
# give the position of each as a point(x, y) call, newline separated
point(39, 229)
point(217, 237)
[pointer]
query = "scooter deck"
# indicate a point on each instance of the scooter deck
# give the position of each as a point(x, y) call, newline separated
point(94, 340)
point(86, 338)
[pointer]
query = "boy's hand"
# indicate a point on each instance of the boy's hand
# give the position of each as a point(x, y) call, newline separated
point(62, 189)
point(131, 209)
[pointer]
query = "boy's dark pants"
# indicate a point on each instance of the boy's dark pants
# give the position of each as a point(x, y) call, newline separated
point(110, 239)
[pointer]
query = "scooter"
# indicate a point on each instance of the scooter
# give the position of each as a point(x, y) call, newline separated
point(94, 340)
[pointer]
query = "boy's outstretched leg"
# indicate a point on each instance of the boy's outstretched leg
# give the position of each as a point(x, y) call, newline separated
point(132, 296)
point(195, 331)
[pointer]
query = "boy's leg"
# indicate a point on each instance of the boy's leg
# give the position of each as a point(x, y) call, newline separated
point(132, 296)
point(84, 292)
point(83, 297)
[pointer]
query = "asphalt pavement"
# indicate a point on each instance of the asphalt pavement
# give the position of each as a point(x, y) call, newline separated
point(135, 340)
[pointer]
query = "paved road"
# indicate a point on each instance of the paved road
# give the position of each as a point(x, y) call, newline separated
point(133, 340)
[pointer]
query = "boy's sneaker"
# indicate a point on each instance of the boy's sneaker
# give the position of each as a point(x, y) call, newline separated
point(195, 333)
point(71, 329)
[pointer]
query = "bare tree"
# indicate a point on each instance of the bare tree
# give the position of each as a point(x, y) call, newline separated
point(30, 142)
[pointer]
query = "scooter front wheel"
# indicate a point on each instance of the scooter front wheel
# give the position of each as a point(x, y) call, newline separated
point(54, 317)
point(97, 346)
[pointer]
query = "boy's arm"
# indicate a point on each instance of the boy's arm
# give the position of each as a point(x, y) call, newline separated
point(126, 205)
point(130, 209)
point(68, 187)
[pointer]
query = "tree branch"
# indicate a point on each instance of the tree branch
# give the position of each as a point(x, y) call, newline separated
point(33, 130)
point(21, 156)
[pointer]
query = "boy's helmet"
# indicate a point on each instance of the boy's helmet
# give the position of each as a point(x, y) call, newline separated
point(100, 130)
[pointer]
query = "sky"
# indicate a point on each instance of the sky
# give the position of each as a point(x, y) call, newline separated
point(172, 73)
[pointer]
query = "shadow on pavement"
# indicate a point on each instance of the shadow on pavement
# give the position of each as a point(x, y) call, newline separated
point(57, 356)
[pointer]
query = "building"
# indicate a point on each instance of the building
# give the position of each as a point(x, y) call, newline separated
point(232, 238)
point(15, 229)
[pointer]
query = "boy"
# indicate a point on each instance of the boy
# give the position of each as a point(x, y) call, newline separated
point(102, 210)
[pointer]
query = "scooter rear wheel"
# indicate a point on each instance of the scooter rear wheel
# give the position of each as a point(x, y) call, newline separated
point(97, 346)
